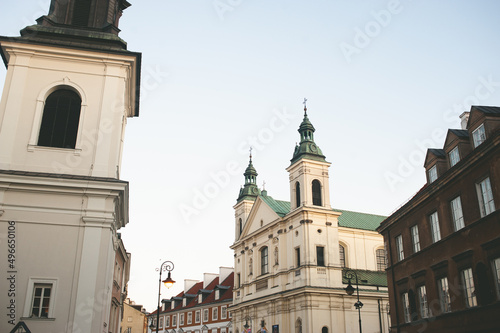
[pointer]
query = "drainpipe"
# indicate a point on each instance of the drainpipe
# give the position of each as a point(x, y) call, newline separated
point(393, 281)
point(379, 316)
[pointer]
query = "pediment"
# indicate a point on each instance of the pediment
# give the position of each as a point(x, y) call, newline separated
point(260, 211)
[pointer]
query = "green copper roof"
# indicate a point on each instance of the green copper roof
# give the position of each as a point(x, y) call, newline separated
point(249, 191)
point(307, 148)
point(372, 278)
point(280, 207)
point(357, 220)
point(348, 218)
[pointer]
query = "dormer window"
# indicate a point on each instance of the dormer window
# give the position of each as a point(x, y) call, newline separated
point(217, 294)
point(432, 174)
point(200, 298)
point(478, 135)
point(454, 156)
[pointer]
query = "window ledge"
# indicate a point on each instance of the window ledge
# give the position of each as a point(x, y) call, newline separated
point(37, 319)
point(76, 151)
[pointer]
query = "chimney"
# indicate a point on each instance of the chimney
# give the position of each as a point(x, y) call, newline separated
point(464, 119)
point(208, 278)
point(224, 272)
point(188, 284)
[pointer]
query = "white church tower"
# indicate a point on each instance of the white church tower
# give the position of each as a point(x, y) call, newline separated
point(70, 86)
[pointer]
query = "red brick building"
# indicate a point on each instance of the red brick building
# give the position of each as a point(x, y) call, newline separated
point(201, 308)
point(443, 245)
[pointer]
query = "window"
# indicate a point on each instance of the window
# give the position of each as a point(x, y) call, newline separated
point(223, 312)
point(264, 263)
point(197, 316)
point(297, 256)
point(485, 194)
point(205, 315)
point(478, 135)
point(41, 300)
point(238, 280)
point(496, 271)
point(444, 295)
point(181, 319)
point(217, 294)
point(381, 259)
point(81, 13)
point(129, 330)
point(432, 173)
point(454, 156)
point(415, 239)
point(468, 284)
point(61, 116)
point(324, 329)
point(316, 193)
point(174, 320)
point(320, 255)
point(342, 256)
point(240, 227)
point(406, 307)
point(215, 313)
point(167, 321)
point(190, 318)
point(422, 301)
point(399, 247)
point(457, 214)
point(435, 232)
point(161, 323)
point(297, 194)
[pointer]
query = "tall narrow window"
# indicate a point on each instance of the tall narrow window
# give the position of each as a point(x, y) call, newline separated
point(422, 302)
point(264, 260)
point(415, 239)
point(342, 255)
point(316, 193)
point(197, 317)
point(60, 119)
point(406, 307)
point(399, 247)
point(444, 295)
point(320, 255)
point(457, 214)
point(485, 195)
point(81, 13)
point(324, 329)
point(240, 227)
point(297, 194)
point(181, 319)
point(496, 270)
point(432, 174)
point(478, 135)
point(435, 231)
point(454, 156)
point(381, 260)
point(468, 284)
point(215, 313)
point(297, 256)
point(41, 300)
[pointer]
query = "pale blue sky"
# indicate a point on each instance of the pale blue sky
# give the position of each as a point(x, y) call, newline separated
point(380, 78)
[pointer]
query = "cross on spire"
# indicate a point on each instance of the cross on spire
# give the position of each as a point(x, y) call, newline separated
point(305, 106)
point(250, 152)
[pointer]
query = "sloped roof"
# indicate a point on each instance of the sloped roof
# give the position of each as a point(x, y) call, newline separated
point(460, 132)
point(367, 278)
point(280, 207)
point(490, 110)
point(348, 219)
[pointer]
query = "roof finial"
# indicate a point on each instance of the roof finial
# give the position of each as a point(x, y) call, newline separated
point(264, 185)
point(305, 106)
point(251, 153)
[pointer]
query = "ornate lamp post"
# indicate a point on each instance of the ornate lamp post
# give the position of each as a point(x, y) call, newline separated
point(350, 274)
point(166, 266)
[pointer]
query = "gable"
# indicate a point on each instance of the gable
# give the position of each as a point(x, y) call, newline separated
point(260, 211)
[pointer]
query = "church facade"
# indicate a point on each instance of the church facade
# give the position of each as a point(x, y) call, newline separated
point(70, 86)
point(294, 259)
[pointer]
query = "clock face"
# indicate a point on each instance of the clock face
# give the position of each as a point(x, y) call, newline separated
point(255, 190)
point(313, 147)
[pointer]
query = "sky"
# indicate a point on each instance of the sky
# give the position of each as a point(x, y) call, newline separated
point(384, 80)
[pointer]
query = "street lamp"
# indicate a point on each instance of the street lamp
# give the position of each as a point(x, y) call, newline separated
point(350, 274)
point(166, 266)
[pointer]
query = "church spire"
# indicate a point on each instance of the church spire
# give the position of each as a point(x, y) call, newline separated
point(249, 191)
point(307, 148)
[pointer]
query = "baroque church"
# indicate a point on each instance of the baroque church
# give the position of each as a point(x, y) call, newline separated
point(293, 260)
point(71, 85)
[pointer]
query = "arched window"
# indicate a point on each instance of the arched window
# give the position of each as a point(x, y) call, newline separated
point(298, 326)
point(342, 255)
point(297, 194)
point(324, 329)
point(316, 193)
point(381, 260)
point(264, 260)
point(240, 226)
point(60, 119)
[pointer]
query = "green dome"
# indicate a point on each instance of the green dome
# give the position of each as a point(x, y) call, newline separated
point(307, 148)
